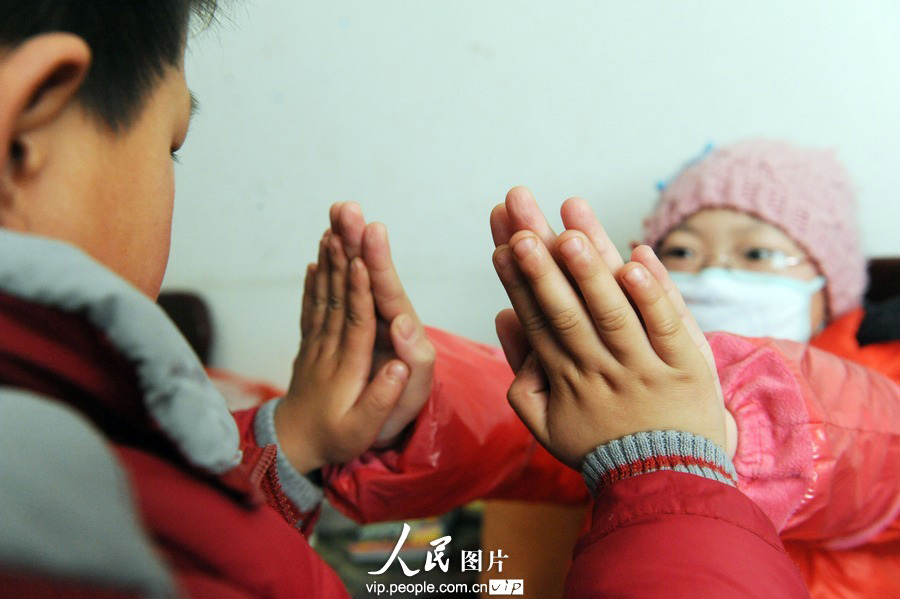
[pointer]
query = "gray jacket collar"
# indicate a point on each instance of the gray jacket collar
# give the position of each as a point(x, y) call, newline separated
point(176, 391)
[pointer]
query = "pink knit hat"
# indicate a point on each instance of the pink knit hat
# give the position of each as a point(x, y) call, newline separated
point(804, 192)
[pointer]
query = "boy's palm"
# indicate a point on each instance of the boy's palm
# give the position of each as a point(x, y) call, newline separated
point(400, 332)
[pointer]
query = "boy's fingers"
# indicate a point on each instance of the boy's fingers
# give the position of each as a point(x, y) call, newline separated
point(411, 343)
point(377, 400)
point(665, 330)
point(611, 313)
point(352, 224)
point(359, 334)
point(337, 290)
point(512, 338)
point(529, 397)
point(390, 297)
point(309, 300)
point(412, 346)
point(560, 303)
point(577, 214)
point(533, 320)
point(320, 291)
point(333, 214)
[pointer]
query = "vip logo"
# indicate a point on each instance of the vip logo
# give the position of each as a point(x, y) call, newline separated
point(500, 586)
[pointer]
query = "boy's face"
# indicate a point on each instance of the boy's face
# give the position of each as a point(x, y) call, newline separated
point(119, 205)
point(111, 194)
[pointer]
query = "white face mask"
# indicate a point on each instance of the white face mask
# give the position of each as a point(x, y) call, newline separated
point(749, 303)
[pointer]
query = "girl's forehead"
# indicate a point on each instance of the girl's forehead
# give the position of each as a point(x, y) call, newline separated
point(719, 223)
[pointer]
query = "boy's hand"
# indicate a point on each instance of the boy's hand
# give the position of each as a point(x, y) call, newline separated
point(520, 212)
point(332, 411)
point(400, 332)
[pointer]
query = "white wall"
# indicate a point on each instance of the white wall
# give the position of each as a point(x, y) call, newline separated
point(427, 112)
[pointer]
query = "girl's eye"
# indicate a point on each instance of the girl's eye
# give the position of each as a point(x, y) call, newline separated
point(760, 254)
point(174, 155)
point(676, 252)
point(759, 258)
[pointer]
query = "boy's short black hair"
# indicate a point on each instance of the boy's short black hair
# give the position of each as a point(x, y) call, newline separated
point(131, 41)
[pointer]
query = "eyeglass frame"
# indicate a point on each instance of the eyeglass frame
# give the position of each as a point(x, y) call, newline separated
point(728, 259)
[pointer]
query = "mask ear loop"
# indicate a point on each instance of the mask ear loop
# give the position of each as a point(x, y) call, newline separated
point(824, 322)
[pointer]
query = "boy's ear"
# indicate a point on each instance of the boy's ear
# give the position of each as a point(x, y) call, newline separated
point(38, 79)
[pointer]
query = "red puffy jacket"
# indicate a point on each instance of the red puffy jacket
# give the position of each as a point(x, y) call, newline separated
point(122, 474)
point(873, 568)
point(677, 535)
point(121, 471)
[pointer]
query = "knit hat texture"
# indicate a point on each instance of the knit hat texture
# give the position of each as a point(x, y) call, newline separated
point(804, 192)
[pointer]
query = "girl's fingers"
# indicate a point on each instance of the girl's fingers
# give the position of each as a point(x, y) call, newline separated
point(534, 323)
point(525, 215)
point(611, 312)
point(359, 332)
point(577, 214)
point(501, 228)
point(646, 256)
point(665, 330)
point(512, 338)
point(560, 304)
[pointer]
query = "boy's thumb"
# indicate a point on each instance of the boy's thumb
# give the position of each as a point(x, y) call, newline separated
point(381, 394)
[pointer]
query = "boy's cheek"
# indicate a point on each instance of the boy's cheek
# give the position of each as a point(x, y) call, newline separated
point(138, 248)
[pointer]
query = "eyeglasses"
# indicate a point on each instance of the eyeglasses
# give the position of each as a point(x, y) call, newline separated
point(755, 258)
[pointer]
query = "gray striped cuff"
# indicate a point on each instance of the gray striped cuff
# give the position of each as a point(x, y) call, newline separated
point(657, 450)
point(298, 488)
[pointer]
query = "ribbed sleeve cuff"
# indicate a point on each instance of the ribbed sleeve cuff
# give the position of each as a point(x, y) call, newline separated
point(657, 450)
point(298, 488)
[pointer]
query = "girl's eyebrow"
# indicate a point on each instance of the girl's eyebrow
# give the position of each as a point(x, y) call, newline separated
point(752, 227)
point(686, 228)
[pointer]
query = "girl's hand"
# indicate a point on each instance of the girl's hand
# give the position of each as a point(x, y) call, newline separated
point(595, 373)
point(521, 212)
